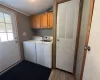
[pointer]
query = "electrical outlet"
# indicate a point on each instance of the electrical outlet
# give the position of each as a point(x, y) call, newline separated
point(24, 34)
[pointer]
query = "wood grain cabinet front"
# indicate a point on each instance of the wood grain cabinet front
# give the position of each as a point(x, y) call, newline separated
point(42, 21)
point(50, 20)
point(38, 21)
point(33, 22)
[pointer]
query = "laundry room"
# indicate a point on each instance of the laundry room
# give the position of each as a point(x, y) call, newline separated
point(49, 40)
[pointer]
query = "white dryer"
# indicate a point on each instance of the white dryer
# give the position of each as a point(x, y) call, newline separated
point(44, 53)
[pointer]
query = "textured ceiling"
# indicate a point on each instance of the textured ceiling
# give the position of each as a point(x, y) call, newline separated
point(29, 6)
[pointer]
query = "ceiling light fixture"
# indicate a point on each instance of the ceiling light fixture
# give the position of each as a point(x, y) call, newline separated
point(32, 0)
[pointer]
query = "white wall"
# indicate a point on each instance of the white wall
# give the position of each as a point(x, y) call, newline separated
point(84, 23)
point(9, 55)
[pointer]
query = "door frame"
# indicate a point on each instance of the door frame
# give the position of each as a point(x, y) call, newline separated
point(55, 9)
point(87, 35)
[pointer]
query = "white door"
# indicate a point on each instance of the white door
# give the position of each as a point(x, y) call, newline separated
point(92, 64)
point(9, 47)
point(67, 20)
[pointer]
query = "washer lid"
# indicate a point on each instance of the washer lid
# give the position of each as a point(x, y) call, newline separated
point(47, 42)
point(30, 41)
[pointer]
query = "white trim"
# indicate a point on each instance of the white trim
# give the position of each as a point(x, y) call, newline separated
point(14, 9)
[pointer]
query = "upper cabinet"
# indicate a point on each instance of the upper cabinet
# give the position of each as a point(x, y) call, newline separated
point(38, 21)
point(33, 21)
point(44, 20)
point(50, 19)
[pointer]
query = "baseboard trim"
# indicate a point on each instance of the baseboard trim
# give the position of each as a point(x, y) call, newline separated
point(2, 72)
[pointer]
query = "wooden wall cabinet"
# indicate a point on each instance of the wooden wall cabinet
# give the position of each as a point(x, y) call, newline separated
point(33, 21)
point(38, 21)
point(50, 20)
point(42, 21)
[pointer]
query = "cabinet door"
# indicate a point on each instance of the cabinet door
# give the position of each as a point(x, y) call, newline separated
point(44, 20)
point(38, 21)
point(50, 20)
point(33, 22)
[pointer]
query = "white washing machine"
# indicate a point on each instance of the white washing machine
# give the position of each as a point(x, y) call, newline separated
point(30, 49)
point(39, 51)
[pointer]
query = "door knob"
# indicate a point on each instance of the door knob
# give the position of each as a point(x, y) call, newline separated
point(87, 48)
point(57, 39)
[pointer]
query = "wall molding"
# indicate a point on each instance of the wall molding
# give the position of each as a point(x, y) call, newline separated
point(14, 9)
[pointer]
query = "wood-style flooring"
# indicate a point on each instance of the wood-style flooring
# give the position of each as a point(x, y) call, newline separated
point(60, 75)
